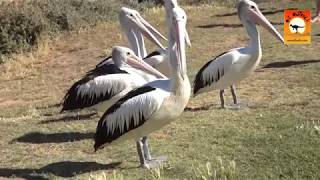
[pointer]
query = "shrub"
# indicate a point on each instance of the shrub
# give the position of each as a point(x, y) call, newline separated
point(22, 24)
point(19, 28)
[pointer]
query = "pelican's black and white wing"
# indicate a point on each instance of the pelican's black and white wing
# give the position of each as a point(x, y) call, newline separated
point(129, 113)
point(98, 85)
point(105, 62)
point(212, 71)
point(154, 53)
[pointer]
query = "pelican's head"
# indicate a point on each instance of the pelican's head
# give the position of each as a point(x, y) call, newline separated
point(131, 20)
point(169, 4)
point(125, 56)
point(248, 11)
point(178, 37)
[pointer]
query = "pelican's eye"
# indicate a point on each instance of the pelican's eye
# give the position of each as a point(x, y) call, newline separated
point(128, 53)
point(131, 15)
point(252, 7)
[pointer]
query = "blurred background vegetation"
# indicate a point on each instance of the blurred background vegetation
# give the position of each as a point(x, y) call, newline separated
point(24, 22)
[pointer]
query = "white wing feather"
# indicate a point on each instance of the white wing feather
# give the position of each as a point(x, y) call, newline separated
point(145, 105)
point(108, 84)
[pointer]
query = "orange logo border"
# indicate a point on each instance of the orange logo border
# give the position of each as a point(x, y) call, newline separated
point(297, 38)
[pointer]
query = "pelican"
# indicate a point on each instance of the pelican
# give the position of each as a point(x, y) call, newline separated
point(158, 59)
point(109, 81)
point(152, 106)
point(131, 22)
point(96, 88)
point(234, 65)
point(135, 27)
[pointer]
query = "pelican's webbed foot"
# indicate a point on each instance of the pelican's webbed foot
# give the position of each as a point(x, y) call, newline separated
point(154, 162)
point(146, 160)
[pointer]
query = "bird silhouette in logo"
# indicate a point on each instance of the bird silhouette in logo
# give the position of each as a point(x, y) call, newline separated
point(296, 27)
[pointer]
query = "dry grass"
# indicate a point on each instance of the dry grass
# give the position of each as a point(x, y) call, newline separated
point(23, 64)
point(275, 137)
point(23, 24)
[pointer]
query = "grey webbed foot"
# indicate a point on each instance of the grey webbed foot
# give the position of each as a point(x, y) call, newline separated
point(146, 160)
point(154, 162)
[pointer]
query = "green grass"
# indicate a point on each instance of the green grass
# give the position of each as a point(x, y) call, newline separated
point(276, 137)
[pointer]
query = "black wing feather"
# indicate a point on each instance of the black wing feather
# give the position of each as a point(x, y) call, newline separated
point(105, 60)
point(102, 136)
point(154, 53)
point(199, 82)
point(73, 101)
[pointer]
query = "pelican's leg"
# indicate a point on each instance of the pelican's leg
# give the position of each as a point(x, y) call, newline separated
point(149, 164)
point(145, 147)
point(147, 154)
point(140, 153)
point(234, 94)
point(237, 105)
point(222, 99)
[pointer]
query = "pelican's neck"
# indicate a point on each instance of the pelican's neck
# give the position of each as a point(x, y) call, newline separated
point(254, 44)
point(136, 42)
point(179, 83)
point(141, 44)
point(179, 78)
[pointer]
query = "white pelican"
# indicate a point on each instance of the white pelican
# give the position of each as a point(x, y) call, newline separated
point(169, 5)
point(154, 105)
point(131, 23)
point(136, 28)
point(100, 88)
point(109, 81)
point(158, 59)
point(233, 66)
point(96, 87)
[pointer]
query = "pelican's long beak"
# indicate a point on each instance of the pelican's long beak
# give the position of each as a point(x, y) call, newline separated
point(180, 32)
point(187, 38)
point(145, 28)
point(138, 63)
point(152, 29)
point(259, 18)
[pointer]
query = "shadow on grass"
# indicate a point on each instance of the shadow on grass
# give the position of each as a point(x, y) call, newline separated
point(220, 25)
point(49, 106)
point(41, 138)
point(203, 108)
point(65, 169)
point(68, 118)
point(289, 63)
point(229, 25)
point(270, 12)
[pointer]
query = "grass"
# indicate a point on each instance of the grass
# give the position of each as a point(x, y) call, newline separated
point(276, 137)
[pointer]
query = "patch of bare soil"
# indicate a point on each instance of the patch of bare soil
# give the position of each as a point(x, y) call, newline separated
point(69, 57)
